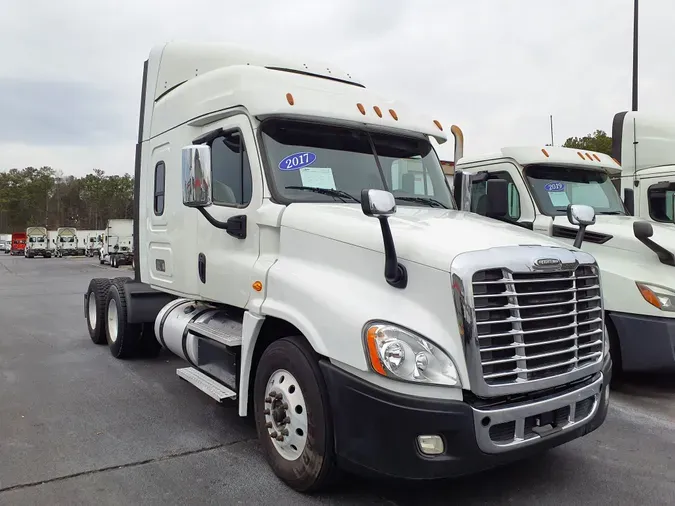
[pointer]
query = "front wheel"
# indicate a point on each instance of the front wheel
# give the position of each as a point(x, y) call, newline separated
point(292, 415)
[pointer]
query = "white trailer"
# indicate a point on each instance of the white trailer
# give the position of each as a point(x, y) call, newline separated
point(287, 255)
point(644, 145)
point(37, 243)
point(636, 257)
point(65, 242)
point(117, 246)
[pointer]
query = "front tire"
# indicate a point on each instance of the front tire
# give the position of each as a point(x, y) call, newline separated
point(96, 309)
point(295, 426)
point(123, 337)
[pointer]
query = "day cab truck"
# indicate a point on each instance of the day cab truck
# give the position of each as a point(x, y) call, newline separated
point(37, 243)
point(93, 243)
point(636, 258)
point(18, 244)
point(644, 145)
point(65, 242)
point(117, 247)
point(284, 251)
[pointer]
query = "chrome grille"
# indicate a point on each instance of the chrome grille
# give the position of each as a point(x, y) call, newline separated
point(537, 325)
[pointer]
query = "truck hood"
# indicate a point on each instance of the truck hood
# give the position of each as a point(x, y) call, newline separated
point(621, 230)
point(431, 237)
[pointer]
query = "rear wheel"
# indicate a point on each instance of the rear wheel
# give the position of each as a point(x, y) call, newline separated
point(292, 415)
point(123, 337)
point(96, 309)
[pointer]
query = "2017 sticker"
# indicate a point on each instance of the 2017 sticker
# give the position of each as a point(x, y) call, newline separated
point(297, 161)
point(555, 187)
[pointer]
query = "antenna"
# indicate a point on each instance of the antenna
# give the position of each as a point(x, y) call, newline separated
point(635, 143)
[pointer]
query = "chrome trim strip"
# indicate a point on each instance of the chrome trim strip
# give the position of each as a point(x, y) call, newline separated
point(518, 414)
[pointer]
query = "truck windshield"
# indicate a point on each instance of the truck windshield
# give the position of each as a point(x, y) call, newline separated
point(310, 162)
point(36, 239)
point(556, 187)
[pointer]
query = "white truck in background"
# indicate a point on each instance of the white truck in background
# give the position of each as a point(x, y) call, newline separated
point(636, 258)
point(94, 243)
point(644, 145)
point(5, 243)
point(117, 246)
point(284, 251)
point(65, 242)
point(37, 243)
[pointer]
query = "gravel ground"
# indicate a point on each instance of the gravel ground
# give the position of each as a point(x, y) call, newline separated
point(78, 427)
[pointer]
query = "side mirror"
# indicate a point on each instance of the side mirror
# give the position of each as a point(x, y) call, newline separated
point(196, 170)
point(582, 216)
point(629, 200)
point(670, 205)
point(497, 191)
point(382, 204)
point(643, 230)
point(461, 189)
point(377, 203)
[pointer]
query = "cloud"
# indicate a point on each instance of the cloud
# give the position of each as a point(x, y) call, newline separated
point(72, 69)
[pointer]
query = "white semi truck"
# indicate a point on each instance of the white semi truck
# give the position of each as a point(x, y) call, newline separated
point(644, 145)
point(37, 243)
point(636, 257)
point(117, 246)
point(94, 243)
point(285, 253)
point(66, 242)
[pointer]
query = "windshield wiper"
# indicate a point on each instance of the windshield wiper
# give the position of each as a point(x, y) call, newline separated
point(424, 200)
point(326, 191)
point(610, 212)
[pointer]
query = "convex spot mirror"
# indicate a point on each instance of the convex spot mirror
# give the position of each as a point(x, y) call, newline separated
point(196, 170)
point(579, 214)
point(377, 203)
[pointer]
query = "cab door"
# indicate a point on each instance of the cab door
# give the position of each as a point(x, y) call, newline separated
point(226, 258)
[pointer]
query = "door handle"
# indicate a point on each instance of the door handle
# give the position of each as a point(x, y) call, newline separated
point(201, 267)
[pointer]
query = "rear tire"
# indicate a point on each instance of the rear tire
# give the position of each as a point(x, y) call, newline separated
point(96, 309)
point(307, 463)
point(123, 337)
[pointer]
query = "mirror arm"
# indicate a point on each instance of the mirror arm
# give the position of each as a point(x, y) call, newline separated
point(222, 225)
point(395, 273)
point(580, 236)
point(665, 256)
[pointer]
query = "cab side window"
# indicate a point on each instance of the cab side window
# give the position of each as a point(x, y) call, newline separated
point(661, 202)
point(231, 184)
point(479, 196)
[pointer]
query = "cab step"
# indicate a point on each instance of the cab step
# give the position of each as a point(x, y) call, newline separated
point(229, 337)
point(206, 384)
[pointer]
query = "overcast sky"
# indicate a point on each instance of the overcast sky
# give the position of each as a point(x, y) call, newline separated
point(70, 72)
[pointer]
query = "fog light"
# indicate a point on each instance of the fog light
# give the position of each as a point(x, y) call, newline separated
point(430, 445)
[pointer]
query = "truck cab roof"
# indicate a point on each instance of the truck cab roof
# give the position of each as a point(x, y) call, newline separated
point(531, 155)
point(194, 83)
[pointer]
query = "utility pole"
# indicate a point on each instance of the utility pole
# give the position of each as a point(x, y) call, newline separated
point(551, 117)
point(635, 55)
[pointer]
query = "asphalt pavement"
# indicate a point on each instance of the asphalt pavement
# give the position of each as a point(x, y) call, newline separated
point(78, 427)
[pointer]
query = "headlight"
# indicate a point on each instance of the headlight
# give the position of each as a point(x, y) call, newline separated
point(658, 296)
point(399, 354)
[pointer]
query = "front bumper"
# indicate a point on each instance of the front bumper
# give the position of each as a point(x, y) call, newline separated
point(647, 343)
point(376, 430)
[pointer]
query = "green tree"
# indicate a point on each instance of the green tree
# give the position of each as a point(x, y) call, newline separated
point(597, 141)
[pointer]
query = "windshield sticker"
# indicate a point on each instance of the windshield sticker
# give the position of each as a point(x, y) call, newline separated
point(555, 187)
point(318, 177)
point(297, 161)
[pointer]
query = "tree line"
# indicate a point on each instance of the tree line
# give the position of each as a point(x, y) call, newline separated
point(45, 197)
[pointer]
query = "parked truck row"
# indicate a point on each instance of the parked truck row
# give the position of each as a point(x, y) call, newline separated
point(113, 245)
point(298, 245)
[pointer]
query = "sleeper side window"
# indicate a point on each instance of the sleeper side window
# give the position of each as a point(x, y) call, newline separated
point(160, 177)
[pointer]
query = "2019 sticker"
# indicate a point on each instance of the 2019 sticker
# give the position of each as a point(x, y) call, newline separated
point(297, 161)
point(555, 187)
